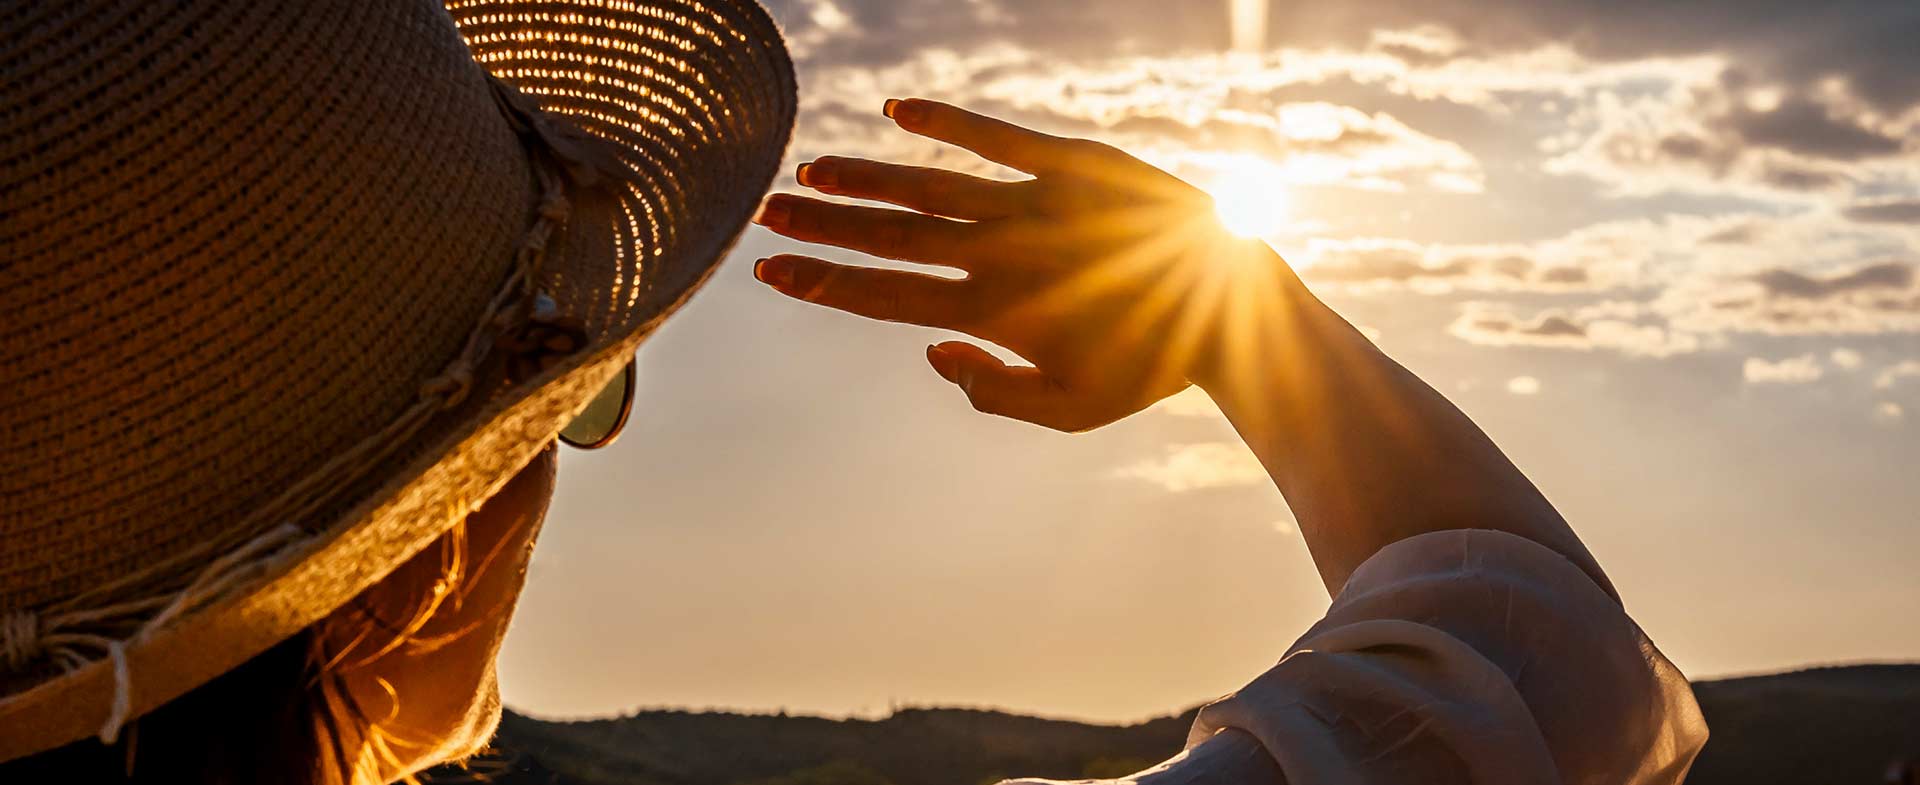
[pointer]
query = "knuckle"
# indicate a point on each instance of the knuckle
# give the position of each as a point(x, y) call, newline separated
point(982, 403)
point(967, 310)
point(803, 216)
point(935, 190)
point(937, 117)
point(892, 235)
point(1038, 195)
point(1086, 152)
point(819, 282)
point(1020, 193)
point(845, 174)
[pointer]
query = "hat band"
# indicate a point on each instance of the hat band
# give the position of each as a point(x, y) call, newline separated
point(86, 628)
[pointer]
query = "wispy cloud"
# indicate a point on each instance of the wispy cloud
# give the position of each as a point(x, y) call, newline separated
point(1371, 263)
point(1883, 297)
point(1192, 467)
point(1731, 134)
point(1893, 374)
point(1523, 385)
point(1616, 326)
point(1792, 370)
point(1885, 211)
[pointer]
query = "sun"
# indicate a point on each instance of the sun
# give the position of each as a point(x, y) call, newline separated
point(1250, 202)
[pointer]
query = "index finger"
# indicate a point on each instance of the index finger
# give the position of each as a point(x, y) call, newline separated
point(998, 141)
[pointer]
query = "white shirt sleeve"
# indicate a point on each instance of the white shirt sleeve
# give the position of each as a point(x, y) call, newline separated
point(1470, 657)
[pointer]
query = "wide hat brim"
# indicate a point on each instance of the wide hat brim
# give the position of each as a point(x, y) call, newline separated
point(700, 97)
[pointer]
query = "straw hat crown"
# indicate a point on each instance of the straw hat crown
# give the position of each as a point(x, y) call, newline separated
point(216, 277)
point(241, 240)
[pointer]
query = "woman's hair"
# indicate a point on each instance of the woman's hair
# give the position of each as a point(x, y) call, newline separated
point(277, 718)
point(253, 724)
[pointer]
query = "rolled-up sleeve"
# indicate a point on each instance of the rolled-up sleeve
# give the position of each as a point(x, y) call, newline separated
point(1470, 656)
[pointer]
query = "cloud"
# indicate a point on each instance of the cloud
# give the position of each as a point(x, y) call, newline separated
point(1889, 412)
point(1523, 385)
point(1864, 43)
point(1593, 258)
point(1805, 125)
point(1192, 467)
point(1374, 262)
point(1881, 297)
point(1300, 143)
point(1606, 326)
point(1788, 283)
point(1885, 211)
point(1695, 313)
point(1892, 374)
point(1618, 255)
point(1793, 370)
point(1730, 135)
point(1198, 116)
point(1846, 359)
point(1765, 97)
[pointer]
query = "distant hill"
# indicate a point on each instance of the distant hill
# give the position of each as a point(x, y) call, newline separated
point(1824, 726)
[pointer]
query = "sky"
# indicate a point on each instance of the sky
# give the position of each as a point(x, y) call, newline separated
point(1667, 255)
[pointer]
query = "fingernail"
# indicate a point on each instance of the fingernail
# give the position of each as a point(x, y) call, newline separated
point(907, 113)
point(888, 107)
point(777, 273)
point(800, 174)
point(944, 364)
point(820, 174)
point(773, 215)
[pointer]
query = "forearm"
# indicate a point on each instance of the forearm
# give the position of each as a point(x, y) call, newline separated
point(1365, 453)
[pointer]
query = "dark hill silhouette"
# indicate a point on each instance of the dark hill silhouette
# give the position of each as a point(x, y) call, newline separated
point(1823, 726)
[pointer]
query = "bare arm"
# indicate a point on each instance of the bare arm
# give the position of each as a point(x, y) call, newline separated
point(1365, 452)
point(1114, 280)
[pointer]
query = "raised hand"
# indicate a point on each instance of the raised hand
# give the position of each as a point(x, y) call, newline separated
point(1096, 270)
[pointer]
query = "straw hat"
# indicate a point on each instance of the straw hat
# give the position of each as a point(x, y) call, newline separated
point(270, 278)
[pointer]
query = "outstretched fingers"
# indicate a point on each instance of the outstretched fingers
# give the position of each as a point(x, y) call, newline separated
point(998, 141)
point(887, 295)
point(1038, 153)
point(882, 232)
point(931, 191)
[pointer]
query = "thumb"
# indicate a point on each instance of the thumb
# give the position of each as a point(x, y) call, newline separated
point(994, 387)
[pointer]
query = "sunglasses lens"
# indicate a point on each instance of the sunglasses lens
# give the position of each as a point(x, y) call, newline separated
point(601, 421)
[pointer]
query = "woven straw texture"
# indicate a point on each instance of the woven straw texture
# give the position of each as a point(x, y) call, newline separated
point(237, 237)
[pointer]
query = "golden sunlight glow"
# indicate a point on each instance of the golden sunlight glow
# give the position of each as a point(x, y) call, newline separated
point(1251, 202)
point(1248, 18)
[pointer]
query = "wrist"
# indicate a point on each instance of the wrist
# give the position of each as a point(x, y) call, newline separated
point(1262, 313)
